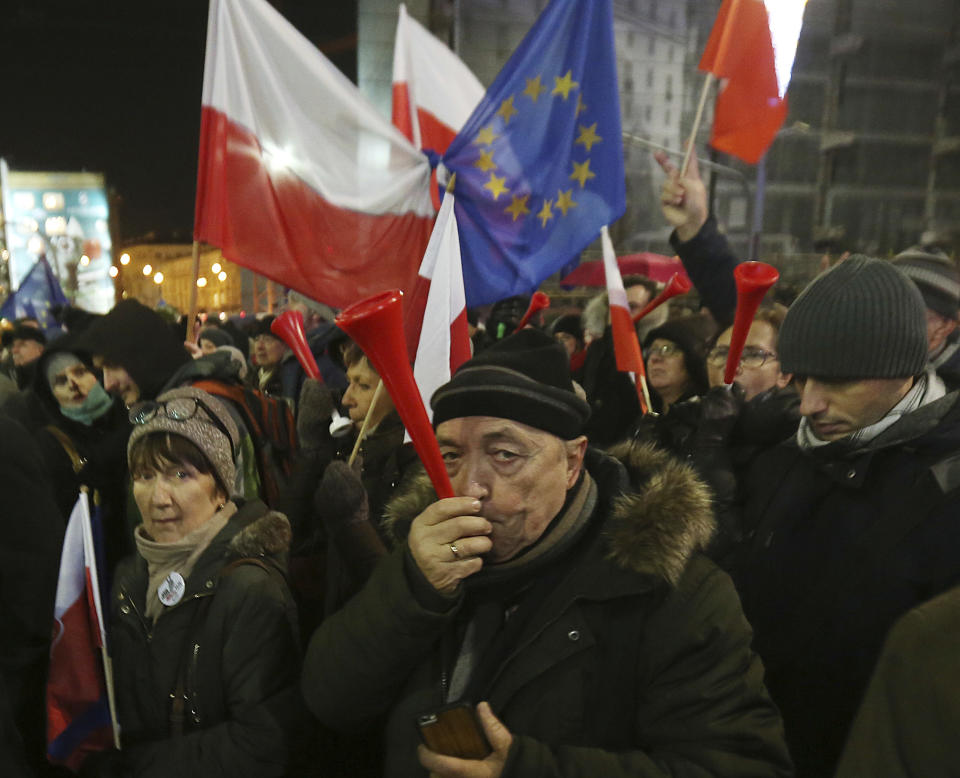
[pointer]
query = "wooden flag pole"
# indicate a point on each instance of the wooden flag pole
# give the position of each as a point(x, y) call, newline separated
point(366, 420)
point(708, 82)
point(191, 321)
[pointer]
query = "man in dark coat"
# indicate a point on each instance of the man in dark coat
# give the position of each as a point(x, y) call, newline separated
point(562, 588)
point(854, 520)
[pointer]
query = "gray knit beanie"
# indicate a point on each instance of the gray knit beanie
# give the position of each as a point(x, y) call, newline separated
point(206, 422)
point(861, 319)
point(935, 275)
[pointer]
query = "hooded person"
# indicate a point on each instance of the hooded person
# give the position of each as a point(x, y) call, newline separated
point(852, 521)
point(675, 354)
point(561, 589)
point(86, 443)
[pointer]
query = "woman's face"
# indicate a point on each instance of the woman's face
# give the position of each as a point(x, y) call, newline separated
point(665, 368)
point(72, 385)
point(175, 499)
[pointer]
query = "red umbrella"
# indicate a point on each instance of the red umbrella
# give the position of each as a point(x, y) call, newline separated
point(655, 266)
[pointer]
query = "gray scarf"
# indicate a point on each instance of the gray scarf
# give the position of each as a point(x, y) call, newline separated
point(927, 388)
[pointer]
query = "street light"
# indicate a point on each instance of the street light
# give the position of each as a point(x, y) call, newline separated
point(147, 269)
point(114, 271)
point(201, 282)
point(222, 275)
point(215, 267)
point(158, 277)
point(124, 259)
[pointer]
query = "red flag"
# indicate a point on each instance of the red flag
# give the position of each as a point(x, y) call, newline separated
point(300, 178)
point(751, 47)
point(626, 346)
point(444, 339)
point(434, 93)
point(78, 709)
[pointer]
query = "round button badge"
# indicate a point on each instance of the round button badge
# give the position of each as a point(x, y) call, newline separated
point(171, 589)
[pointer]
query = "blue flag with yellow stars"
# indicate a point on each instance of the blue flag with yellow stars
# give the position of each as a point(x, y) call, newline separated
point(39, 291)
point(539, 163)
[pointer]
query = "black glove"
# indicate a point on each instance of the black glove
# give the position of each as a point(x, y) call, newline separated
point(314, 409)
point(719, 410)
point(340, 498)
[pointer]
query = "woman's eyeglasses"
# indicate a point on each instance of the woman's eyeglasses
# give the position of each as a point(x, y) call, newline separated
point(178, 409)
point(666, 350)
point(751, 356)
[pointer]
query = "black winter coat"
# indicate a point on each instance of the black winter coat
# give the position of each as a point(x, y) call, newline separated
point(840, 546)
point(232, 642)
point(636, 662)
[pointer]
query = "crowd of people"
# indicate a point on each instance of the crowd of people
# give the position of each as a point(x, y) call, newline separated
point(752, 579)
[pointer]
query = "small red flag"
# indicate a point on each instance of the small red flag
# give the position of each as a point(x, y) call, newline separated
point(751, 48)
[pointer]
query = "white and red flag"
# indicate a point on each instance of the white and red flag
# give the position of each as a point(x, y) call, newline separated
point(79, 720)
point(626, 346)
point(434, 93)
point(299, 177)
point(444, 338)
point(752, 48)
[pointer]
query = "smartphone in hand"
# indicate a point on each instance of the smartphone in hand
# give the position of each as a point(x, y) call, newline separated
point(454, 730)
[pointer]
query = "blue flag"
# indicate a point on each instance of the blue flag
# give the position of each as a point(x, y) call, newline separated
point(38, 293)
point(539, 164)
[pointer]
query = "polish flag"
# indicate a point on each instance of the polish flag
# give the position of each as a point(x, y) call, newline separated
point(434, 93)
point(444, 337)
point(78, 707)
point(626, 346)
point(300, 178)
point(752, 47)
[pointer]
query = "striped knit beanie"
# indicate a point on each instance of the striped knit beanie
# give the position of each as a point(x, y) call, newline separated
point(935, 275)
point(861, 319)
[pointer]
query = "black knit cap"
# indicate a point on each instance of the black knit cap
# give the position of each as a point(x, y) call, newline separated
point(525, 378)
point(861, 319)
point(691, 334)
point(935, 275)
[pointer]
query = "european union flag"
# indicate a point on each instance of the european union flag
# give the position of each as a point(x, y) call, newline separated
point(539, 164)
point(38, 293)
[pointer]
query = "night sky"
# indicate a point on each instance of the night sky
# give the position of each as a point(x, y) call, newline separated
point(114, 87)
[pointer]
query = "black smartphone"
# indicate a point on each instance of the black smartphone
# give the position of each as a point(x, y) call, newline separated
point(454, 730)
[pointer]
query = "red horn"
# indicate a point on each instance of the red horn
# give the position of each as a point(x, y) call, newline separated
point(288, 326)
point(678, 284)
point(538, 302)
point(376, 325)
point(753, 279)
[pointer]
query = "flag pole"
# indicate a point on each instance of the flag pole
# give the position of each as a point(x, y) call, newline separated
point(111, 695)
point(708, 82)
point(191, 321)
point(366, 420)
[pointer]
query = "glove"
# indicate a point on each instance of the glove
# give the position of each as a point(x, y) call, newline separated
point(340, 498)
point(719, 410)
point(314, 409)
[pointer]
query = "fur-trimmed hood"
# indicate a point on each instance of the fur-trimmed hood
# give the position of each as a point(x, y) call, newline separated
point(268, 535)
point(660, 513)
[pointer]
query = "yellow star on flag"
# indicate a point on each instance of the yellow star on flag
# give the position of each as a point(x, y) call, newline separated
point(582, 172)
point(486, 163)
point(581, 106)
point(534, 88)
point(518, 207)
point(588, 136)
point(507, 110)
point(565, 201)
point(485, 137)
point(562, 86)
point(545, 214)
point(496, 185)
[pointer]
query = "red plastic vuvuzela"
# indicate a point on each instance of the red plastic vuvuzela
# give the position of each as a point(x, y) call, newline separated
point(376, 325)
point(753, 280)
point(538, 302)
point(677, 285)
point(288, 326)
